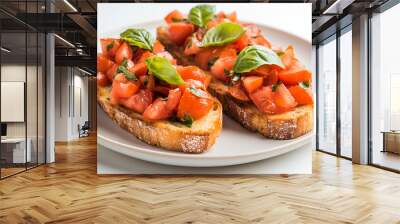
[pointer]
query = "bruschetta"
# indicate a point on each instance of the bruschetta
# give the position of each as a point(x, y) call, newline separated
point(264, 88)
point(141, 88)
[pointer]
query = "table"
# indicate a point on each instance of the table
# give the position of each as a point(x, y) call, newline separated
point(18, 149)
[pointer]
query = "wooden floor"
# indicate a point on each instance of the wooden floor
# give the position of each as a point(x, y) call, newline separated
point(69, 191)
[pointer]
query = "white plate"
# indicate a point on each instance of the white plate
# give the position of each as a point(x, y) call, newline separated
point(235, 145)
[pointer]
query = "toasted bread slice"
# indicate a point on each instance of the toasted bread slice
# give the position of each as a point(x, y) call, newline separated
point(287, 125)
point(166, 134)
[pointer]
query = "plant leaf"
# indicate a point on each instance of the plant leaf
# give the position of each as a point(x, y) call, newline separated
point(222, 34)
point(200, 15)
point(138, 37)
point(162, 69)
point(187, 120)
point(253, 57)
point(305, 85)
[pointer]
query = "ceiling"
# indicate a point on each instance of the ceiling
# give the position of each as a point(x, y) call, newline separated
point(76, 20)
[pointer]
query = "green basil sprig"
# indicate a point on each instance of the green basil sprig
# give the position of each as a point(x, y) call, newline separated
point(128, 75)
point(187, 120)
point(138, 37)
point(200, 15)
point(222, 34)
point(162, 69)
point(304, 85)
point(253, 57)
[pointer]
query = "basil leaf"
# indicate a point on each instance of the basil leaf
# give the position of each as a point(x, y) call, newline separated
point(128, 75)
point(201, 15)
point(222, 34)
point(161, 68)
point(304, 85)
point(187, 120)
point(138, 37)
point(110, 46)
point(253, 57)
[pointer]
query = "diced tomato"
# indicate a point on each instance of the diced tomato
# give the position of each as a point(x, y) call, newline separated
point(220, 15)
point(192, 46)
point(232, 17)
point(295, 76)
point(222, 66)
point(157, 111)
point(271, 78)
point(260, 40)
point(196, 106)
point(129, 64)
point(174, 16)
point(158, 47)
point(109, 46)
point(192, 83)
point(123, 88)
point(193, 72)
point(203, 57)
point(263, 98)
point(112, 71)
point(123, 52)
point(252, 30)
point(228, 51)
point(212, 24)
point(163, 90)
point(288, 57)
point(144, 56)
point(151, 83)
point(263, 70)
point(252, 83)
point(113, 99)
point(138, 102)
point(168, 56)
point(174, 96)
point(241, 43)
point(237, 92)
point(283, 99)
point(178, 32)
point(103, 63)
point(139, 69)
point(302, 95)
point(102, 79)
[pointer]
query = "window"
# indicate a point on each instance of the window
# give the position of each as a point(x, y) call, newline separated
point(327, 96)
point(385, 89)
point(346, 93)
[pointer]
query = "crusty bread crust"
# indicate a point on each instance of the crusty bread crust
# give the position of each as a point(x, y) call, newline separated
point(165, 134)
point(287, 125)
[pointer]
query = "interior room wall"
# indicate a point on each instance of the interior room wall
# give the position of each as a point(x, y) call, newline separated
point(16, 72)
point(71, 102)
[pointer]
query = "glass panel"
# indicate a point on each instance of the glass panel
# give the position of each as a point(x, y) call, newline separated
point(386, 89)
point(31, 98)
point(41, 99)
point(13, 86)
point(346, 94)
point(327, 97)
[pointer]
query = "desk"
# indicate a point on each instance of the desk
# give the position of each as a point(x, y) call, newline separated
point(17, 150)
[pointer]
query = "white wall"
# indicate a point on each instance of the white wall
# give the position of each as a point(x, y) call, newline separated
point(34, 125)
point(71, 94)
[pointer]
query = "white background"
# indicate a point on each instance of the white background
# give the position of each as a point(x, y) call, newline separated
point(291, 18)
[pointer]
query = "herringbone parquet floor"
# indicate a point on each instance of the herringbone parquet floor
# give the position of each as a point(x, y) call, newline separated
point(69, 191)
